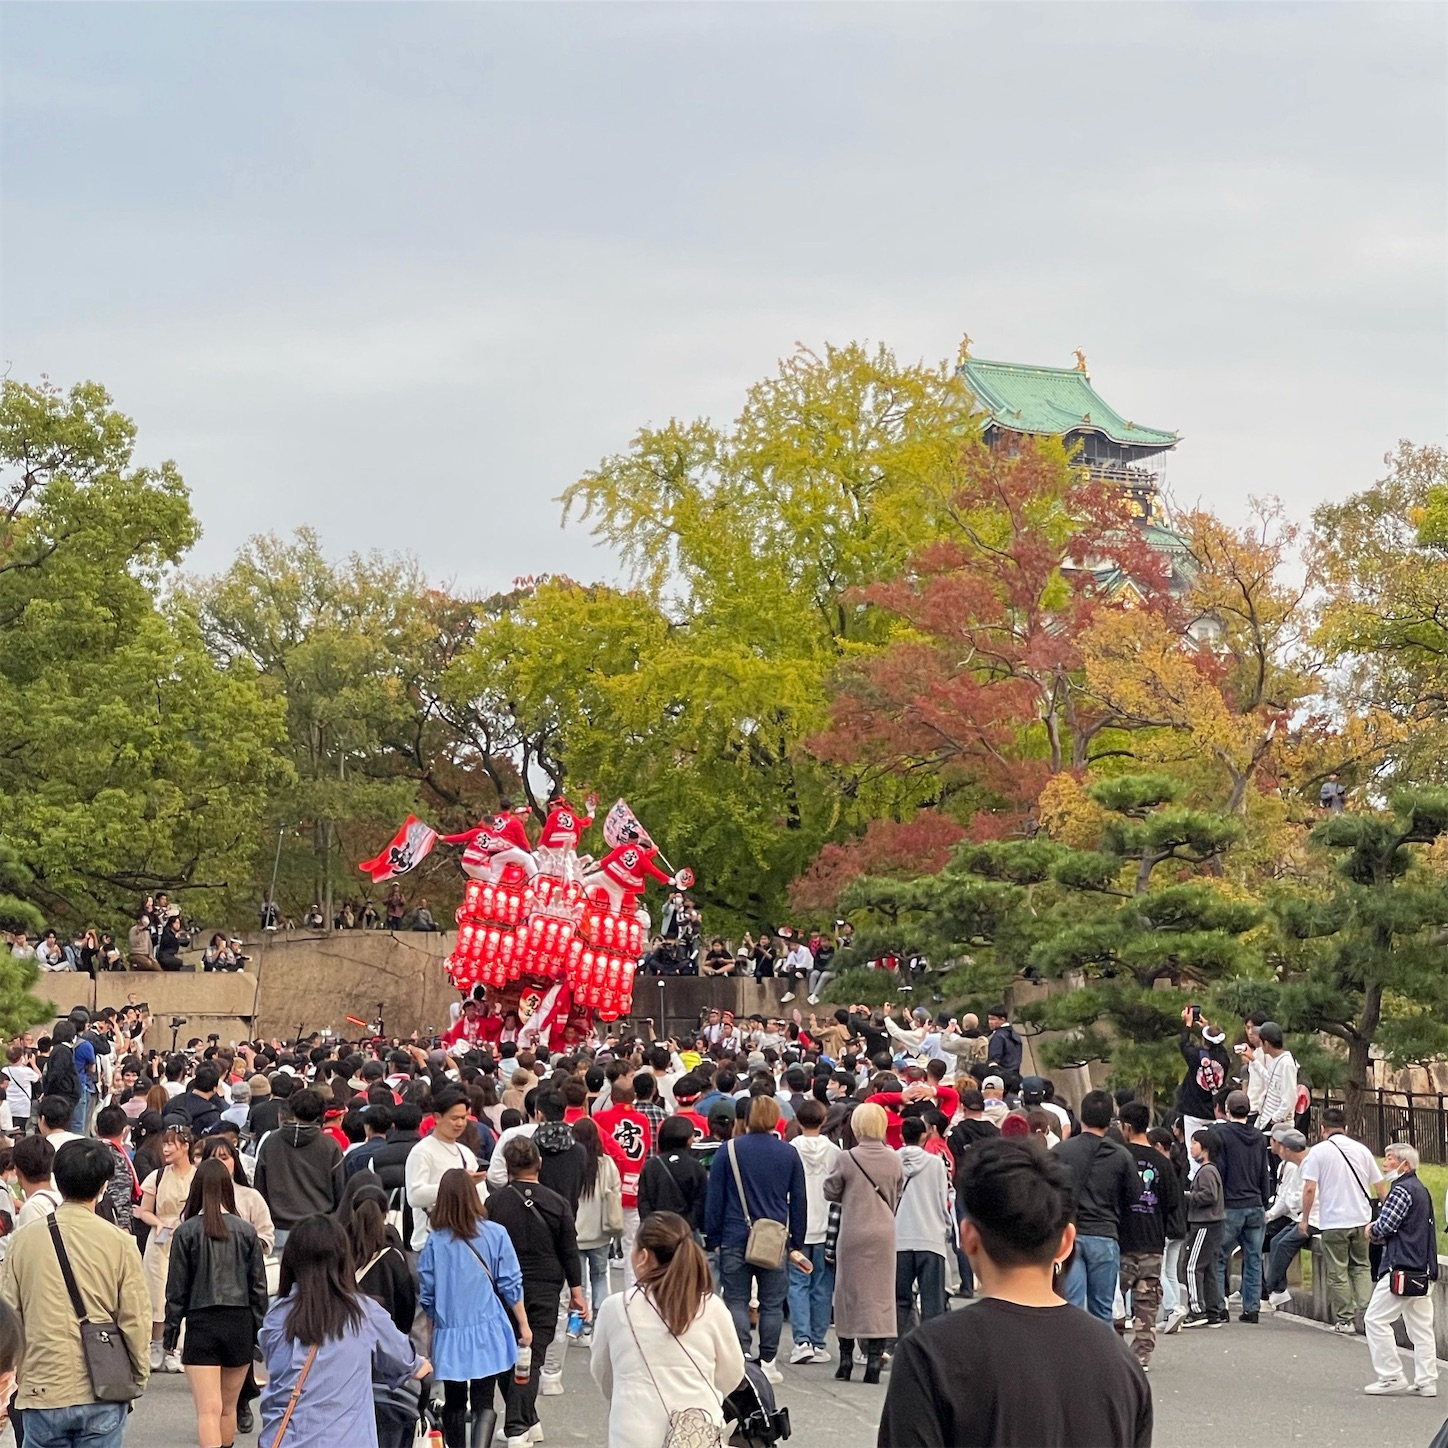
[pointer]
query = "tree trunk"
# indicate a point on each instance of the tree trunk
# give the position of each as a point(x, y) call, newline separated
point(1358, 1056)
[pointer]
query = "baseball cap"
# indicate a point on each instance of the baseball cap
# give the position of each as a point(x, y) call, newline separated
point(1289, 1137)
point(992, 1083)
point(1034, 1087)
point(916, 1065)
point(721, 1111)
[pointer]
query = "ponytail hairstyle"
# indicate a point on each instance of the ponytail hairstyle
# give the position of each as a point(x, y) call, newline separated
point(585, 1133)
point(676, 1277)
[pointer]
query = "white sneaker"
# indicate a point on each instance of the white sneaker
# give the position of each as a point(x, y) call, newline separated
point(1174, 1322)
point(523, 1441)
point(550, 1385)
point(1383, 1387)
point(156, 1357)
point(1426, 1390)
point(822, 1355)
point(535, 1433)
point(787, 996)
point(803, 1353)
point(173, 1363)
point(813, 1000)
point(1344, 1329)
point(771, 1373)
point(1280, 1299)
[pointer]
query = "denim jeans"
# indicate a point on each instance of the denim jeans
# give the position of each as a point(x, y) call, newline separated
point(595, 1274)
point(1171, 1290)
point(772, 1284)
point(967, 1276)
point(1244, 1224)
point(1280, 1255)
point(86, 1425)
point(81, 1115)
point(810, 1297)
point(1095, 1269)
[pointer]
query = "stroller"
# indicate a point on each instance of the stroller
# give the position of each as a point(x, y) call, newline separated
point(751, 1406)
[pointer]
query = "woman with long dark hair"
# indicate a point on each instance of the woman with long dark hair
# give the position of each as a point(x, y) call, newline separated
point(250, 1204)
point(381, 1269)
point(217, 1285)
point(667, 1344)
point(600, 1204)
point(471, 1287)
point(323, 1341)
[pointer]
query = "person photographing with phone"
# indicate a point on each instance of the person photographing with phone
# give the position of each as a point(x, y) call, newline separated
point(1207, 1066)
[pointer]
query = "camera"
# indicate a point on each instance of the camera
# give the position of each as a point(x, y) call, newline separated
point(177, 1022)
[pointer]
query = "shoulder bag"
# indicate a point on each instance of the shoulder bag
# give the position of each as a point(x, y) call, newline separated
point(688, 1427)
point(768, 1240)
point(613, 1206)
point(102, 1344)
point(493, 1283)
point(295, 1397)
point(875, 1184)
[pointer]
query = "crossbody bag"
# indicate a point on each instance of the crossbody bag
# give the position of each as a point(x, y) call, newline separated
point(768, 1240)
point(108, 1362)
point(1375, 1249)
point(688, 1427)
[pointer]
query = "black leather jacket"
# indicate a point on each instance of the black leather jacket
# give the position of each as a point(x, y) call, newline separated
point(207, 1273)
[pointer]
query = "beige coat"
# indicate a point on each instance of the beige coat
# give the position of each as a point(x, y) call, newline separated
point(112, 1286)
point(865, 1251)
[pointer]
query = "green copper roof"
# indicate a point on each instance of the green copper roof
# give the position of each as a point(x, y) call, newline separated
point(1053, 401)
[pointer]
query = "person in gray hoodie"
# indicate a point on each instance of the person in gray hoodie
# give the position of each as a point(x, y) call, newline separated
point(924, 1230)
point(299, 1169)
point(1205, 1214)
point(811, 1294)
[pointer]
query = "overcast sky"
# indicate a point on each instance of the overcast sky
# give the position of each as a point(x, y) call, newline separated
point(404, 272)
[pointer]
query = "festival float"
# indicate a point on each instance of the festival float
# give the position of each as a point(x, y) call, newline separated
point(552, 936)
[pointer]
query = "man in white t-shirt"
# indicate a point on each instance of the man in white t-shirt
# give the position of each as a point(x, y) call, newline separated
point(1340, 1176)
point(20, 1083)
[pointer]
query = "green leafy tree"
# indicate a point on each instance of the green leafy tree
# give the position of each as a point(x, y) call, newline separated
point(355, 654)
point(129, 763)
point(749, 544)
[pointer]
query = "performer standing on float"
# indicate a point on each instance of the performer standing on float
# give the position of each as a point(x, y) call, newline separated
point(557, 848)
point(492, 846)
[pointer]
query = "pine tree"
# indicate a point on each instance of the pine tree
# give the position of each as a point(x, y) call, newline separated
point(1361, 959)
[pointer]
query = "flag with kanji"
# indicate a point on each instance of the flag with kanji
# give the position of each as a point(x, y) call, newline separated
point(410, 845)
point(622, 824)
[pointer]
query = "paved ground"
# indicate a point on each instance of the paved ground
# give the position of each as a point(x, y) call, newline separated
point(1281, 1382)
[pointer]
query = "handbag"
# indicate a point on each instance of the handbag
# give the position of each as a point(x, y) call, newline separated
point(1403, 1283)
point(108, 1362)
point(295, 1397)
point(688, 1427)
point(768, 1240)
point(613, 1211)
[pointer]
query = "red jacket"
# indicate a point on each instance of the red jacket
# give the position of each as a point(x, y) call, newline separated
point(511, 829)
point(628, 1139)
point(563, 828)
point(631, 865)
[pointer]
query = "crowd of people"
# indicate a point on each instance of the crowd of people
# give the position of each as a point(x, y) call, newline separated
point(340, 1239)
point(804, 959)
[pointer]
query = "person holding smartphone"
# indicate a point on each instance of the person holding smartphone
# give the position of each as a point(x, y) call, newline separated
point(1207, 1066)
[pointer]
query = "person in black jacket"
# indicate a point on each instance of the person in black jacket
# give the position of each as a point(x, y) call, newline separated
point(564, 1160)
point(217, 1284)
point(540, 1224)
point(61, 1077)
point(390, 1163)
point(199, 1108)
point(673, 1180)
point(1242, 1158)
point(382, 1270)
point(1105, 1186)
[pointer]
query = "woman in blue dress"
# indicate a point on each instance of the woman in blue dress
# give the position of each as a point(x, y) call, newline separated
point(471, 1287)
point(321, 1326)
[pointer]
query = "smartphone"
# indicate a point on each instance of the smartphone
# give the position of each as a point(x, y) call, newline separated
point(1196, 1015)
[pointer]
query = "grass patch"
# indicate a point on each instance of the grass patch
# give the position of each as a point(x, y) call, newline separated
point(1435, 1178)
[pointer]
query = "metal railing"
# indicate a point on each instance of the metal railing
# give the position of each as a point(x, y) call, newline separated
point(1417, 1117)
